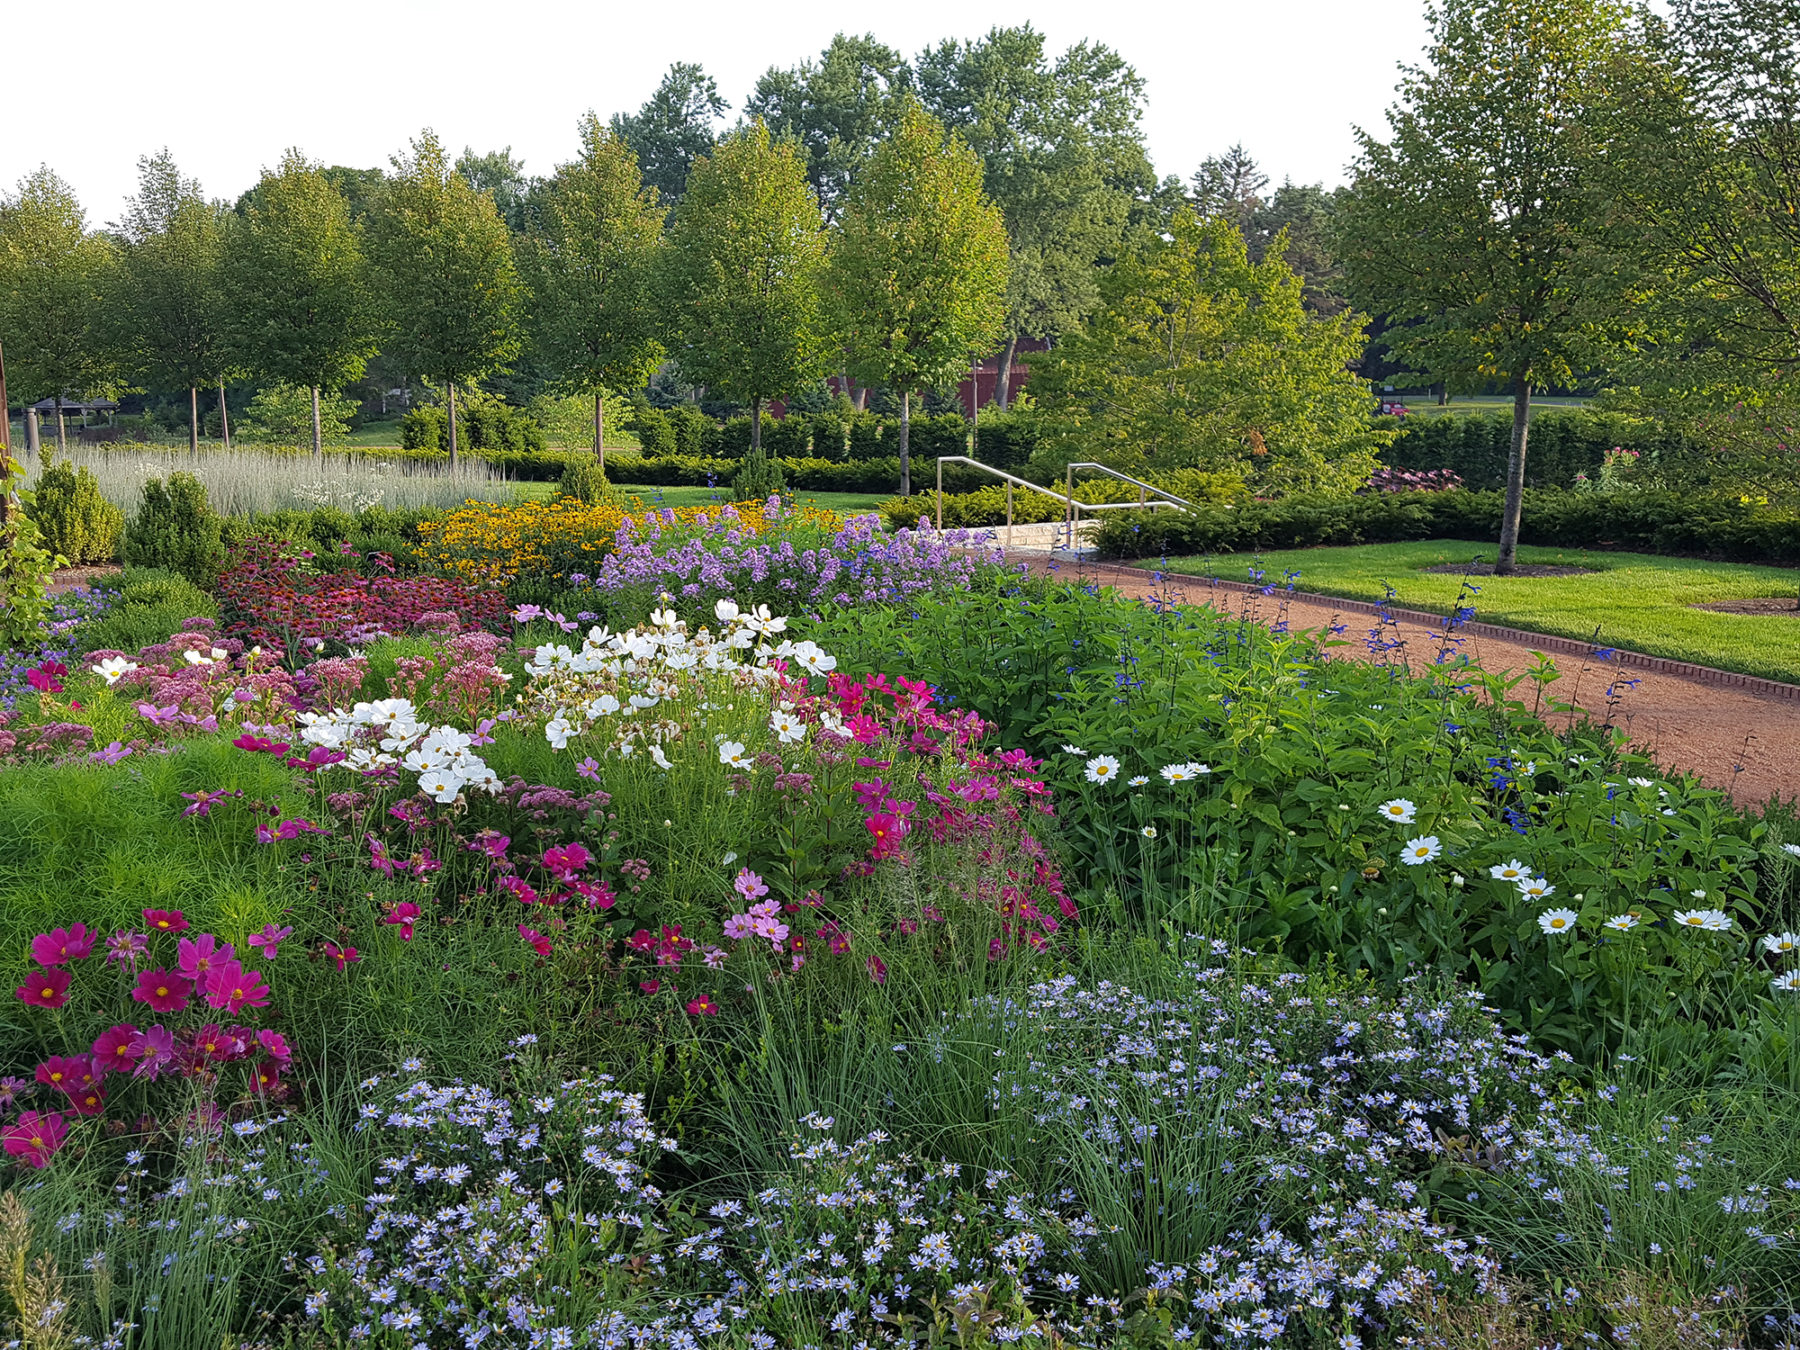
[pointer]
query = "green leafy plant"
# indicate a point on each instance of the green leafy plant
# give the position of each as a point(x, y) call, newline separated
point(175, 529)
point(73, 519)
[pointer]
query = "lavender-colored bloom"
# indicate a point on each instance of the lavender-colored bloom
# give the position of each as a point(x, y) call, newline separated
point(154, 1048)
point(111, 754)
point(126, 947)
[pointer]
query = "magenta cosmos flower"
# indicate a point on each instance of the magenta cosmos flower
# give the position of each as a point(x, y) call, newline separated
point(202, 954)
point(45, 988)
point(405, 914)
point(539, 943)
point(163, 990)
point(233, 988)
point(35, 1139)
point(165, 920)
point(62, 945)
point(115, 1049)
point(269, 940)
point(68, 1073)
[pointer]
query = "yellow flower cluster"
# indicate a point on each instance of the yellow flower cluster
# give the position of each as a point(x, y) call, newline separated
point(492, 544)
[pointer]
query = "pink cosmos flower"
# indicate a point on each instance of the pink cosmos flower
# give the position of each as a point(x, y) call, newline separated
point(113, 1048)
point(199, 955)
point(45, 988)
point(749, 885)
point(344, 956)
point(165, 920)
point(62, 945)
point(231, 987)
point(404, 914)
point(714, 957)
point(162, 990)
point(214, 1044)
point(649, 986)
point(539, 943)
point(740, 926)
point(153, 1049)
point(268, 940)
point(44, 678)
point(563, 863)
point(68, 1074)
point(125, 947)
point(88, 1101)
point(266, 1077)
point(277, 1047)
point(36, 1138)
point(703, 1007)
point(261, 745)
point(877, 969)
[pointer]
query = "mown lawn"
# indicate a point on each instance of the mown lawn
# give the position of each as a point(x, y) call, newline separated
point(1631, 600)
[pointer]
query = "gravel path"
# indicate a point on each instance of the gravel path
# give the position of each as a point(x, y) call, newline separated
point(1739, 734)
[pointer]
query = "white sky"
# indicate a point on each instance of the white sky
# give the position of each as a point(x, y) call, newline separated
point(226, 86)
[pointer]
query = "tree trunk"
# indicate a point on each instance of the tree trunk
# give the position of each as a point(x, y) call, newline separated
point(1443, 396)
point(1003, 382)
point(1515, 477)
point(318, 433)
point(974, 402)
point(62, 430)
point(224, 416)
point(453, 427)
point(600, 430)
point(33, 442)
point(194, 420)
point(755, 425)
point(906, 443)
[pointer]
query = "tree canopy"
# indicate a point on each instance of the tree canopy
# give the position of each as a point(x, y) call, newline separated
point(673, 128)
point(1199, 358)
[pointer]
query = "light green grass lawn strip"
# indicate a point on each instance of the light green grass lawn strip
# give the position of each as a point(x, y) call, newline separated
point(1632, 600)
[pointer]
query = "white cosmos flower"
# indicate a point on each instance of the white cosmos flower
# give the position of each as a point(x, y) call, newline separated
point(604, 706)
point(1102, 769)
point(1641, 782)
point(1400, 811)
point(440, 784)
point(787, 727)
point(726, 611)
point(1073, 750)
point(1786, 984)
point(1791, 848)
point(1781, 942)
point(813, 657)
point(1555, 921)
point(1622, 923)
point(1510, 871)
point(1536, 888)
point(732, 753)
point(114, 668)
point(662, 760)
point(641, 701)
point(558, 730)
point(1139, 781)
point(1184, 773)
point(1712, 920)
point(664, 618)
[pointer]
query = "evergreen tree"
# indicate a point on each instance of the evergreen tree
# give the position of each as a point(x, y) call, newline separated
point(673, 128)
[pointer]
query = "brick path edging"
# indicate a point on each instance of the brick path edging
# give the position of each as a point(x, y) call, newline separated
point(1548, 642)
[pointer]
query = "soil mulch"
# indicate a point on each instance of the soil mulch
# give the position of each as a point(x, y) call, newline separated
point(1743, 741)
point(73, 578)
point(1762, 604)
point(1481, 569)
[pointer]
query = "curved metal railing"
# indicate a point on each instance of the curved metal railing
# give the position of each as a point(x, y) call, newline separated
point(1149, 495)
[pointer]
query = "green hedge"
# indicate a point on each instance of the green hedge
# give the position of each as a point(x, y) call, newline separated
point(1643, 522)
point(1564, 442)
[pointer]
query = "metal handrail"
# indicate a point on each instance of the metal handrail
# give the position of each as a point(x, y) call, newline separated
point(1072, 509)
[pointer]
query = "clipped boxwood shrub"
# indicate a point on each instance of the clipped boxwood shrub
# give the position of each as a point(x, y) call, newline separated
point(176, 530)
point(73, 519)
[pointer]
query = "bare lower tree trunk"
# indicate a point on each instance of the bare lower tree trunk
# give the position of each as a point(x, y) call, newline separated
point(318, 432)
point(600, 430)
point(193, 419)
point(62, 430)
point(906, 443)
point(33, 441)
point(453, 426)
point(224, 417)
point(974, 402)
point(1515, 477)
point(1003, 382)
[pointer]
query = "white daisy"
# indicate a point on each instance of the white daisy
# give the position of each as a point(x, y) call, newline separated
point(1421, 850)
point(1102, 769)
point(1535, 888)
point(1184, 773)
point(1510, 871)
point(1073, 750)
point(1712, 920)
point(1786, 984)
point(1148, 831)
point(1622, 923)
point(1781, 942)
point(1557, 920)
point(1400, 811)
point(1139, 781)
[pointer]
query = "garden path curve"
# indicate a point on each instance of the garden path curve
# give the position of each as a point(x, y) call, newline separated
point(1739, 733)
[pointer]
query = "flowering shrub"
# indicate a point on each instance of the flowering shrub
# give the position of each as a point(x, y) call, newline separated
point(272, 597)
point(497, 545)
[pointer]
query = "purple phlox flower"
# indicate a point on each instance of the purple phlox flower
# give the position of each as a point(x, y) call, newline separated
point(268, 939)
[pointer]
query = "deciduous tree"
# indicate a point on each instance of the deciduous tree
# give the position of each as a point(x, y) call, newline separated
point(919, 268)
point(587, 262)
point(296, 284)
point(443, 264)
point(1470, 227)
point(739, 275)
